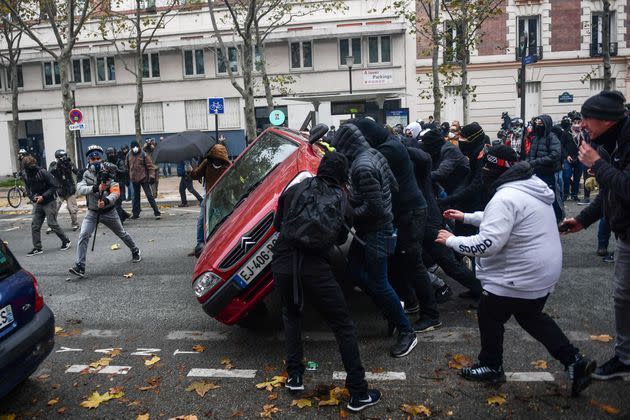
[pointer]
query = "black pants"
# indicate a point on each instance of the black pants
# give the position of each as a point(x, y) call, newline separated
point(446, 259)
point(323, 291)
point(135, 205)
point(185, 183)
point(409, 274)
point(494, 311)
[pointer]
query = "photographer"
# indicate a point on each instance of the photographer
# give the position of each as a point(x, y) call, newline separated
point(101, 193)
point(120, 169)
point(64, 170)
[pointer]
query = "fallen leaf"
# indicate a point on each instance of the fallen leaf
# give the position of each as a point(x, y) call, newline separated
point(343, 414)
point(186, 417)
point(415, 410)
point(115, 247)
point(96, 399)
point(43, 377)
point(460, 361)
point(201, 388)
point(153, 383)
point(608, 409)
point(377, 370)
point(115, 390)
point(332, 399)
point(227, 363)
point(115, 352)
point(61, 410)
point(199, 348)
point(53, 402)
point(275, 382)
point(497, 399)
point(71, 333)
point(101, 363)
point(144, 416)
point(128, 275)
point(58, 330)
point(449, 413)
point(604, 338)
point(302, 402)
point(152, 361)
point(339, 392)
point(269, 410)
point(237, 413)
point(539, 364)
point(10, 416)
point(273, 396)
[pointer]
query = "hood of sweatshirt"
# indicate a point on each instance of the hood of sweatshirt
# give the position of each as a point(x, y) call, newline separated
point(531, 185)
point(350, 142)
point(547, 122)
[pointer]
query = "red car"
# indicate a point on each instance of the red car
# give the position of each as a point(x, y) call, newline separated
point(233, 274)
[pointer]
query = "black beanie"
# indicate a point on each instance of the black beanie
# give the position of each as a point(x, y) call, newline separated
point(135, 144)
point(606, 105)
point(373, 132)
point(334, 165)
point(470, 132)
point(500, 156)
point(431, 137)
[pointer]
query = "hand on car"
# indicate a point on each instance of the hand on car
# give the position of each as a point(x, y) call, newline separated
point(454, 215)
point(570, 226)
point(443, 235)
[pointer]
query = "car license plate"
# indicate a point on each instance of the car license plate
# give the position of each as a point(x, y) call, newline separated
point(6, 316)
point(257, 263)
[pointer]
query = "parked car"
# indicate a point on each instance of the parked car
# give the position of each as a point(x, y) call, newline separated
point(27, 325)
point(233, 273)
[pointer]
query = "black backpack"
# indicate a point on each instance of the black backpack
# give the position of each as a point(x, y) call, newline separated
point(315, 215)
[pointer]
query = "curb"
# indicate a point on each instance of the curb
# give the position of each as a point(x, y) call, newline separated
point(126, 205)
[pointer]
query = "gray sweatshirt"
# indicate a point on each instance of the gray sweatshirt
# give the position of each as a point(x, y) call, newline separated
point(85, 187)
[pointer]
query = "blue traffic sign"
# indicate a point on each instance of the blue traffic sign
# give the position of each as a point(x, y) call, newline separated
point(276, 117)
point(216, 106)
point(529, 59)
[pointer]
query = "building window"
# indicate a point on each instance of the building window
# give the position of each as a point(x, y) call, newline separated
point(108, 119)
point(231, 118)
point(152, 117)
point(20, 78)
point(196, 115)
point(597, 85)
point(81, 70)
point(453, 42)
point(301, 55)
point(88, 120)
point(105, 69)
point(379, 50)
point(233, 58)
point(597, 23)
point(193, 63)
point(151, 66)
point(52, 76)
point(349, 47)
point(147, 4)
point(528, 37)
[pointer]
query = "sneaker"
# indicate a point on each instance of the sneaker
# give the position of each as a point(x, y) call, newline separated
point(602, 252)
point(48, 231)
point(65, 245)
point(78, 270)
point(75, 227)
point(580, 373)
point(426, 324)
point(610, 258)
point(469, 294)
point(199, 249)
point(182, 205)
point(443, 294)
point(295, 383)
point(481, 373)
point(414, 309)
point(35, 251)
point(404, 344)
point(357, 404)
point(136, 257)
point(612, 369)
point(158, 216)
point(574, 198)
point(584, 202)
point(135, 216)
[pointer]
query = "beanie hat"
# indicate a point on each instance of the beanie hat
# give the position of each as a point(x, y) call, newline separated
point(431, 137)
point(500, 156)
point(373, 132)
point(135, 144)
point(470, 132)
point(606, 105)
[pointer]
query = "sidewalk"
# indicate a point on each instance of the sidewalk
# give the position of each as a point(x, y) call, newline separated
point(168, 195)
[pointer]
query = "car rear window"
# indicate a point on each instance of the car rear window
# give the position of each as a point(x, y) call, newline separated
point(8, 264)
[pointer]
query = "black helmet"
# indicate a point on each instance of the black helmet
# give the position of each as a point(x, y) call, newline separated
point(60, 154)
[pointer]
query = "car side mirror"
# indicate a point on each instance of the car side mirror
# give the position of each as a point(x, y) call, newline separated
point(317, 132)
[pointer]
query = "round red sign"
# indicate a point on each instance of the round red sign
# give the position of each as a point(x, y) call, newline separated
point(76, 116)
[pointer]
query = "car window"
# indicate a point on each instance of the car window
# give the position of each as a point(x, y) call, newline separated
point(8, 264)
point(244, 176)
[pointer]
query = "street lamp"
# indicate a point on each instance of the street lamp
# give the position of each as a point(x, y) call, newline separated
point(349, 64)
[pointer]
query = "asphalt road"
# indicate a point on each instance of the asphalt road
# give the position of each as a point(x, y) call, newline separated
point(154, 313)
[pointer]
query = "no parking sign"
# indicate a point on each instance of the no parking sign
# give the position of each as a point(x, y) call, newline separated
point(75, 115)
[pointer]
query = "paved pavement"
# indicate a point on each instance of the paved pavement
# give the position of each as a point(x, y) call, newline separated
point(154, 313)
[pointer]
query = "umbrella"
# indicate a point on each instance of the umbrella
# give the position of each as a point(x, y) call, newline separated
point(183, 146)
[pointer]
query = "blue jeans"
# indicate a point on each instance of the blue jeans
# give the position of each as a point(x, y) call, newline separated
point(368, 265)
point(200, 238)
point(569, 171)
point(603, 234)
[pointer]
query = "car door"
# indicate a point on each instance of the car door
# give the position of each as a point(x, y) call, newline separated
point(17, 294)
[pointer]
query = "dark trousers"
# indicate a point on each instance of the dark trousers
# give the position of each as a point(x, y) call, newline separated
point(603, 234)
point(409, 274)
point(571, 173)
point(135, 206)
point(494, 311)
point(323, 291)
point(185, 183)
point(123, 189)
point(46, 211)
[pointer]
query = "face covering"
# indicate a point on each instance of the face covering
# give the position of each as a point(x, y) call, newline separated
point(31, 170)
point(539, 130)
point(451, 135)
point(217, 163)
point(576, 127)
point(490, 174)
point(135, 150)
point(95, 167)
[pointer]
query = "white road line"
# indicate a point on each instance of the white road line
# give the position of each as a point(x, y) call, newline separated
point(529, 377)
point(178, 351)
point(196, 335)
point(375, 376)
point(63, 349)
point(222, 373)
point(109, 370)
point(101, 333)
point(141, 351)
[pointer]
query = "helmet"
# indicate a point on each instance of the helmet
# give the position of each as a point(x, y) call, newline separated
point(94, 149)
point(22, 152)
point(516, 122)
point(60, 154)
point(110, 168)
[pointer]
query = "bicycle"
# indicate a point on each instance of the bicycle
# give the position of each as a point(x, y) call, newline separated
point(16, 192)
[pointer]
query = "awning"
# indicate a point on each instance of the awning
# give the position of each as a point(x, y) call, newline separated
point(378, 96)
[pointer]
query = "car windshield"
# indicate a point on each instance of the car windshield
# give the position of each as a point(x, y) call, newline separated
point(243, 177)
point(8, 264)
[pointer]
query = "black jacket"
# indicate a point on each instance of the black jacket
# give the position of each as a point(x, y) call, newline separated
point(371, 179)
point(422, 170)
point(613, 176)
point(545, 153)
point(64, 174)
point(450, 168)
point(41, 183)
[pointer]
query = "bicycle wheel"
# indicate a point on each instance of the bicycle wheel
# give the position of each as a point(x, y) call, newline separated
point(14, 196)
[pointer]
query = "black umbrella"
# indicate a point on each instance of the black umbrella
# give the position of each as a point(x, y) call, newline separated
point(183, 146)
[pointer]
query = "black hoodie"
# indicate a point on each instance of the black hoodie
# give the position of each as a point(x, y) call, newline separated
point(545, 152)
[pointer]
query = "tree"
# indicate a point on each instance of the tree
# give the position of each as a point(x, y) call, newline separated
point(131, 32)
point(606, 46)
point(66, 19)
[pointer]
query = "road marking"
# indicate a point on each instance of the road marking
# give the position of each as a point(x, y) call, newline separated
point(145, 352)
point(13, 228)
point(196, 335)
point(222, 373)
point(109, 370)
point(14, 219)
point(107, 350)
point(101, 333)
point(178, 351)
point(375, 376)
point(529, 377)
point(66, 349)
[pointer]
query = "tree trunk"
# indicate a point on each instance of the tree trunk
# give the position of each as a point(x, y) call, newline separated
point(465, 90)
point(267, 85)
point(248, 88)
point(606, 46)
point(15, 116)
point(437, 91)
point(139, 96)
point(67, 102)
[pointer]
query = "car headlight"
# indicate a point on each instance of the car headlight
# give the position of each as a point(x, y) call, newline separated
point(205, 282)
point(298, 178)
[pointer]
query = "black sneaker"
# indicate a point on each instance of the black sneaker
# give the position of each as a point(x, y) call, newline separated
point(426, 324)
point(136, 257)
point(48, 231)
point(469, 294)
point(612, 369)
point(580, 374)
point(404, 344)
point(65, 245)
point(295, 383)
point(158, 216)
point(78, 270)
point(35, 251)
point(443, 294)
point(602, 252)
point(481, 373)
point(414, 309)
point(182, 205)
point(357, 404)
point(75, 227)
point(135, 216)
point(584, 202)
point(610, 258)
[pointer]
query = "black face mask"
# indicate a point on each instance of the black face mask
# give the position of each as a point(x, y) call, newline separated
point(31, 170)
point(540, 130)
point(490, 174)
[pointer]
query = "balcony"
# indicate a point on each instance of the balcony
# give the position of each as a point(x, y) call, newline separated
point(597, 50)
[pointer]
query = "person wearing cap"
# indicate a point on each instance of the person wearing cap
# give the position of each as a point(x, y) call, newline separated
point(142, 174)
point(517, 230)
point(604, 118)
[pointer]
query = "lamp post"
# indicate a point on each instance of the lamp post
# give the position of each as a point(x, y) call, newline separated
point(349, 64)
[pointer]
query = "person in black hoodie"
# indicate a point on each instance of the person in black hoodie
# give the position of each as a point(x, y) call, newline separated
point(319, 286)
point(42, 187)
point(410, 216)
point(372, 182)
point(572, 168)
point(449, 165)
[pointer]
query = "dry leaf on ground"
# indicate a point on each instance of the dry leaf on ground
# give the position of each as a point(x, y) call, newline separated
point(377, 370)
point(415, 410)
point(144, 416)
point(185, 417)
point(152, 361)
point(61, 410)
point(95, 399)
point(42, 377)
point(115, 247)
point(10, 416)
point(459, 361)
point(153, 382)
point(609, 409)
point(101, 363)
point(499, 399)
point(199, 348)
point(128, 275)
point(201, 388)
point(58, 330)
point(539, 364)
point(237, 413)
point(269, 410)
point(302, 402)
point(227, 363)
point(275, 382)
point(603, 338)
point(339, 392)
point(53, 402)
point(115, 352)
point(332, 400)
point(273, 396)
point(343, 414)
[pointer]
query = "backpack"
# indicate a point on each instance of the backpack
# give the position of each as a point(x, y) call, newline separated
point(315, 215)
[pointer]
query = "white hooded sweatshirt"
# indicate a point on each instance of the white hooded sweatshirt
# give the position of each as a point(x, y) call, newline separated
point(518, 251)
